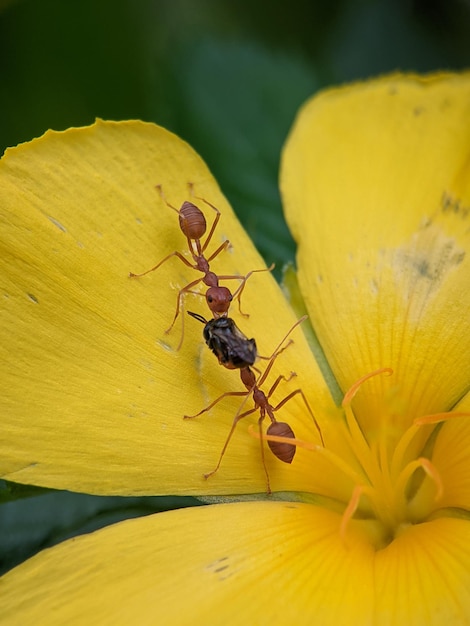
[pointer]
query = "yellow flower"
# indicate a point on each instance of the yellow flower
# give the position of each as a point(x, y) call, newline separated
point(374, 528)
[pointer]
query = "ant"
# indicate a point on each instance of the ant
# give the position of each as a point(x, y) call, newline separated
point(193, 225)
point(232, 348)
point(283, 451)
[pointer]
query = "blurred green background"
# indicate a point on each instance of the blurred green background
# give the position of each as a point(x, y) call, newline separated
point(226, 76)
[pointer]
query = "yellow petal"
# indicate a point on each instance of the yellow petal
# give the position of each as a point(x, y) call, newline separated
point(451, 458)
point(92, 396)
point(376, 184)
point(422, 578)
point(252, 563)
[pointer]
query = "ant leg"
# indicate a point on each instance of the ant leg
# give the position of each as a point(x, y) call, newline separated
point(278, 380)
point(179, 306)
point(278, 351)
point(195, 293)
point(223, 246)
point(152, 269)
point(216, 401)
point(289, 397)
point(263, 461)
point(236, 419)
point(159, 188)
point(271, 360)
point(241, 287)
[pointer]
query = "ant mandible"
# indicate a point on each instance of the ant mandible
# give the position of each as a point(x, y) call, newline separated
point(283, 451)
point(193, 225)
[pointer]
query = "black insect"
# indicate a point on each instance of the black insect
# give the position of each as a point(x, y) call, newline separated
point(231, 347)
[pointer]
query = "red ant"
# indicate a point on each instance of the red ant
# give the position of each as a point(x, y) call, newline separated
point(193, 225)
point(283, 451)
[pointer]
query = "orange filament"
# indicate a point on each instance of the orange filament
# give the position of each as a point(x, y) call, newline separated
point(349, 395)
point(352, 508)
point(430, 470)
point(436, 418)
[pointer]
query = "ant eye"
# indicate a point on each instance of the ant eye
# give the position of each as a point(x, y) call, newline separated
point(230, 298)
point(209, 298)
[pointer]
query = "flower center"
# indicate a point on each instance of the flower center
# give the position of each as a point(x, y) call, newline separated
point(389, 486)
point(392, 480)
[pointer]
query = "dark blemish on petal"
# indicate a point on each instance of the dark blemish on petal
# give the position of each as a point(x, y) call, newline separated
point(57, 223)
point(422, 267)
point(32, 298)
point(418, 110)
point(423, 264)
point(434, 269)
point(217, 562)
point(446, 201)
point(426, 222)
point(220, 565)
point(138, 220)
point(451, 204)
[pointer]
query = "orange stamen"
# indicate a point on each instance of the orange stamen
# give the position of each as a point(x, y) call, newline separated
point(349, 395)
point(430, 470)
point(357, 439)
point(436, 418)
point(352, 507)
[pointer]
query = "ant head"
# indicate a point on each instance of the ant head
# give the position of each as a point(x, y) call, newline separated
point(218, 300)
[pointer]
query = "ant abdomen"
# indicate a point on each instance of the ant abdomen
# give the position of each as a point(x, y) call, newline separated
point(284, 451)
point(192, 220)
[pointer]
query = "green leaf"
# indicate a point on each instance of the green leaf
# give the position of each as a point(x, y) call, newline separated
point(30, 525)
